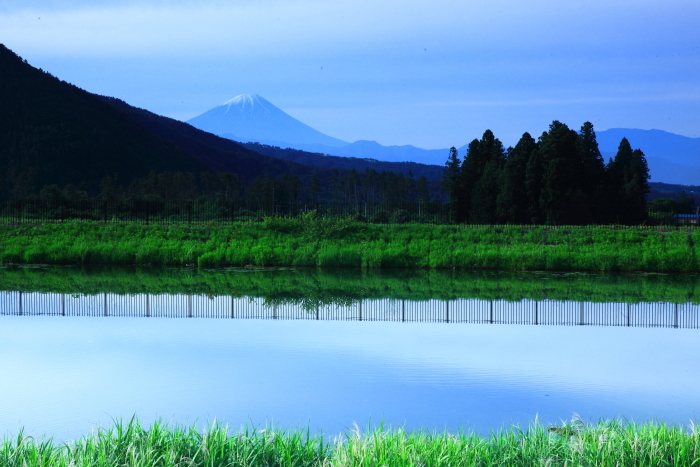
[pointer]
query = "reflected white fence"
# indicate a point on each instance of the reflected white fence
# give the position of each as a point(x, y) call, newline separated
point(525, 312)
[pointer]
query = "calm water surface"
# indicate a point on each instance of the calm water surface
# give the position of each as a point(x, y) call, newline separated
point(62, 375)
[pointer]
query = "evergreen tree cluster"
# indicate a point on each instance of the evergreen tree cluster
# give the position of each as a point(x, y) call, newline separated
point(344, 187)
point(559, 179)
point(378, 197)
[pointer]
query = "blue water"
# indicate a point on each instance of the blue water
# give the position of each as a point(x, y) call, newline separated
point(62, 376)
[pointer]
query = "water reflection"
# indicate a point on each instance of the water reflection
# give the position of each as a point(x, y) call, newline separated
point(313, 288)
point(526, 312)
point(329, 348)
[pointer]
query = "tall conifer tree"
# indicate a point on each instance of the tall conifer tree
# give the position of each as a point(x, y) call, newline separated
point(637, 187)
point(489, 165)
point(512, 202)
point(452, 183)
point(590, 200)
point(472, 168)
point(533, 183)
point(627, 184)
point(560, 172)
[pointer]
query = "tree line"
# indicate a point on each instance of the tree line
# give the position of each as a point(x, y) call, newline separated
point(560, 178)
point(349, 187)
point(378, 197)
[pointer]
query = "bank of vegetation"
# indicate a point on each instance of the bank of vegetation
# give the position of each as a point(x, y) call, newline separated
point(610, 443)
point(311, 240)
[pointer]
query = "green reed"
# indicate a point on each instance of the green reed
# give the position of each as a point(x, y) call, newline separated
point(611, 443)
point(344, 243)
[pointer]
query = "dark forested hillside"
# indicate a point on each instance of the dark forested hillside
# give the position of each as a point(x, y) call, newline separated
point(431, 172)
point(54, 132)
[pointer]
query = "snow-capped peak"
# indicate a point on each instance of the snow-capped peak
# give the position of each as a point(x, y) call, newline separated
point(250, 117)
point(244, 102)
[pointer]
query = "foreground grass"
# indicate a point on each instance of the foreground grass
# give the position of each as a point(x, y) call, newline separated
point(342, 243)
point(129, 444)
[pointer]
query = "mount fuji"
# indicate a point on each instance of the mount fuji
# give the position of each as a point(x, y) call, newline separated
point(250, 117)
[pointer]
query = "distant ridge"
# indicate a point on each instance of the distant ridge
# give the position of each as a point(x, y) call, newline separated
point(374, 150)
point(250, 117)
point(431, 172)
point(675, 148)
point(672, 158)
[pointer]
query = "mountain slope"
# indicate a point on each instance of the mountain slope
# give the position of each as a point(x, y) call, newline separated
point(252, 118)
point(395, 153)
point(373, 150)
point(431, 172)
point(54, 132)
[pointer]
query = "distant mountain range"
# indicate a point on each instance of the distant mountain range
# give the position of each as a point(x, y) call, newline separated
point(672, 158)
point(247, 118)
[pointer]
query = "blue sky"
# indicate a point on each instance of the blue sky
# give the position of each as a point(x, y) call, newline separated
point(428, 73)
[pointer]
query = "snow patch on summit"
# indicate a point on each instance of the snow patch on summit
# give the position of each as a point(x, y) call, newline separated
point(246, 101)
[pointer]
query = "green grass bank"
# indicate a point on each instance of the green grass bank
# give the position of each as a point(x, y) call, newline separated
point(129, 444)
point(315, 241)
